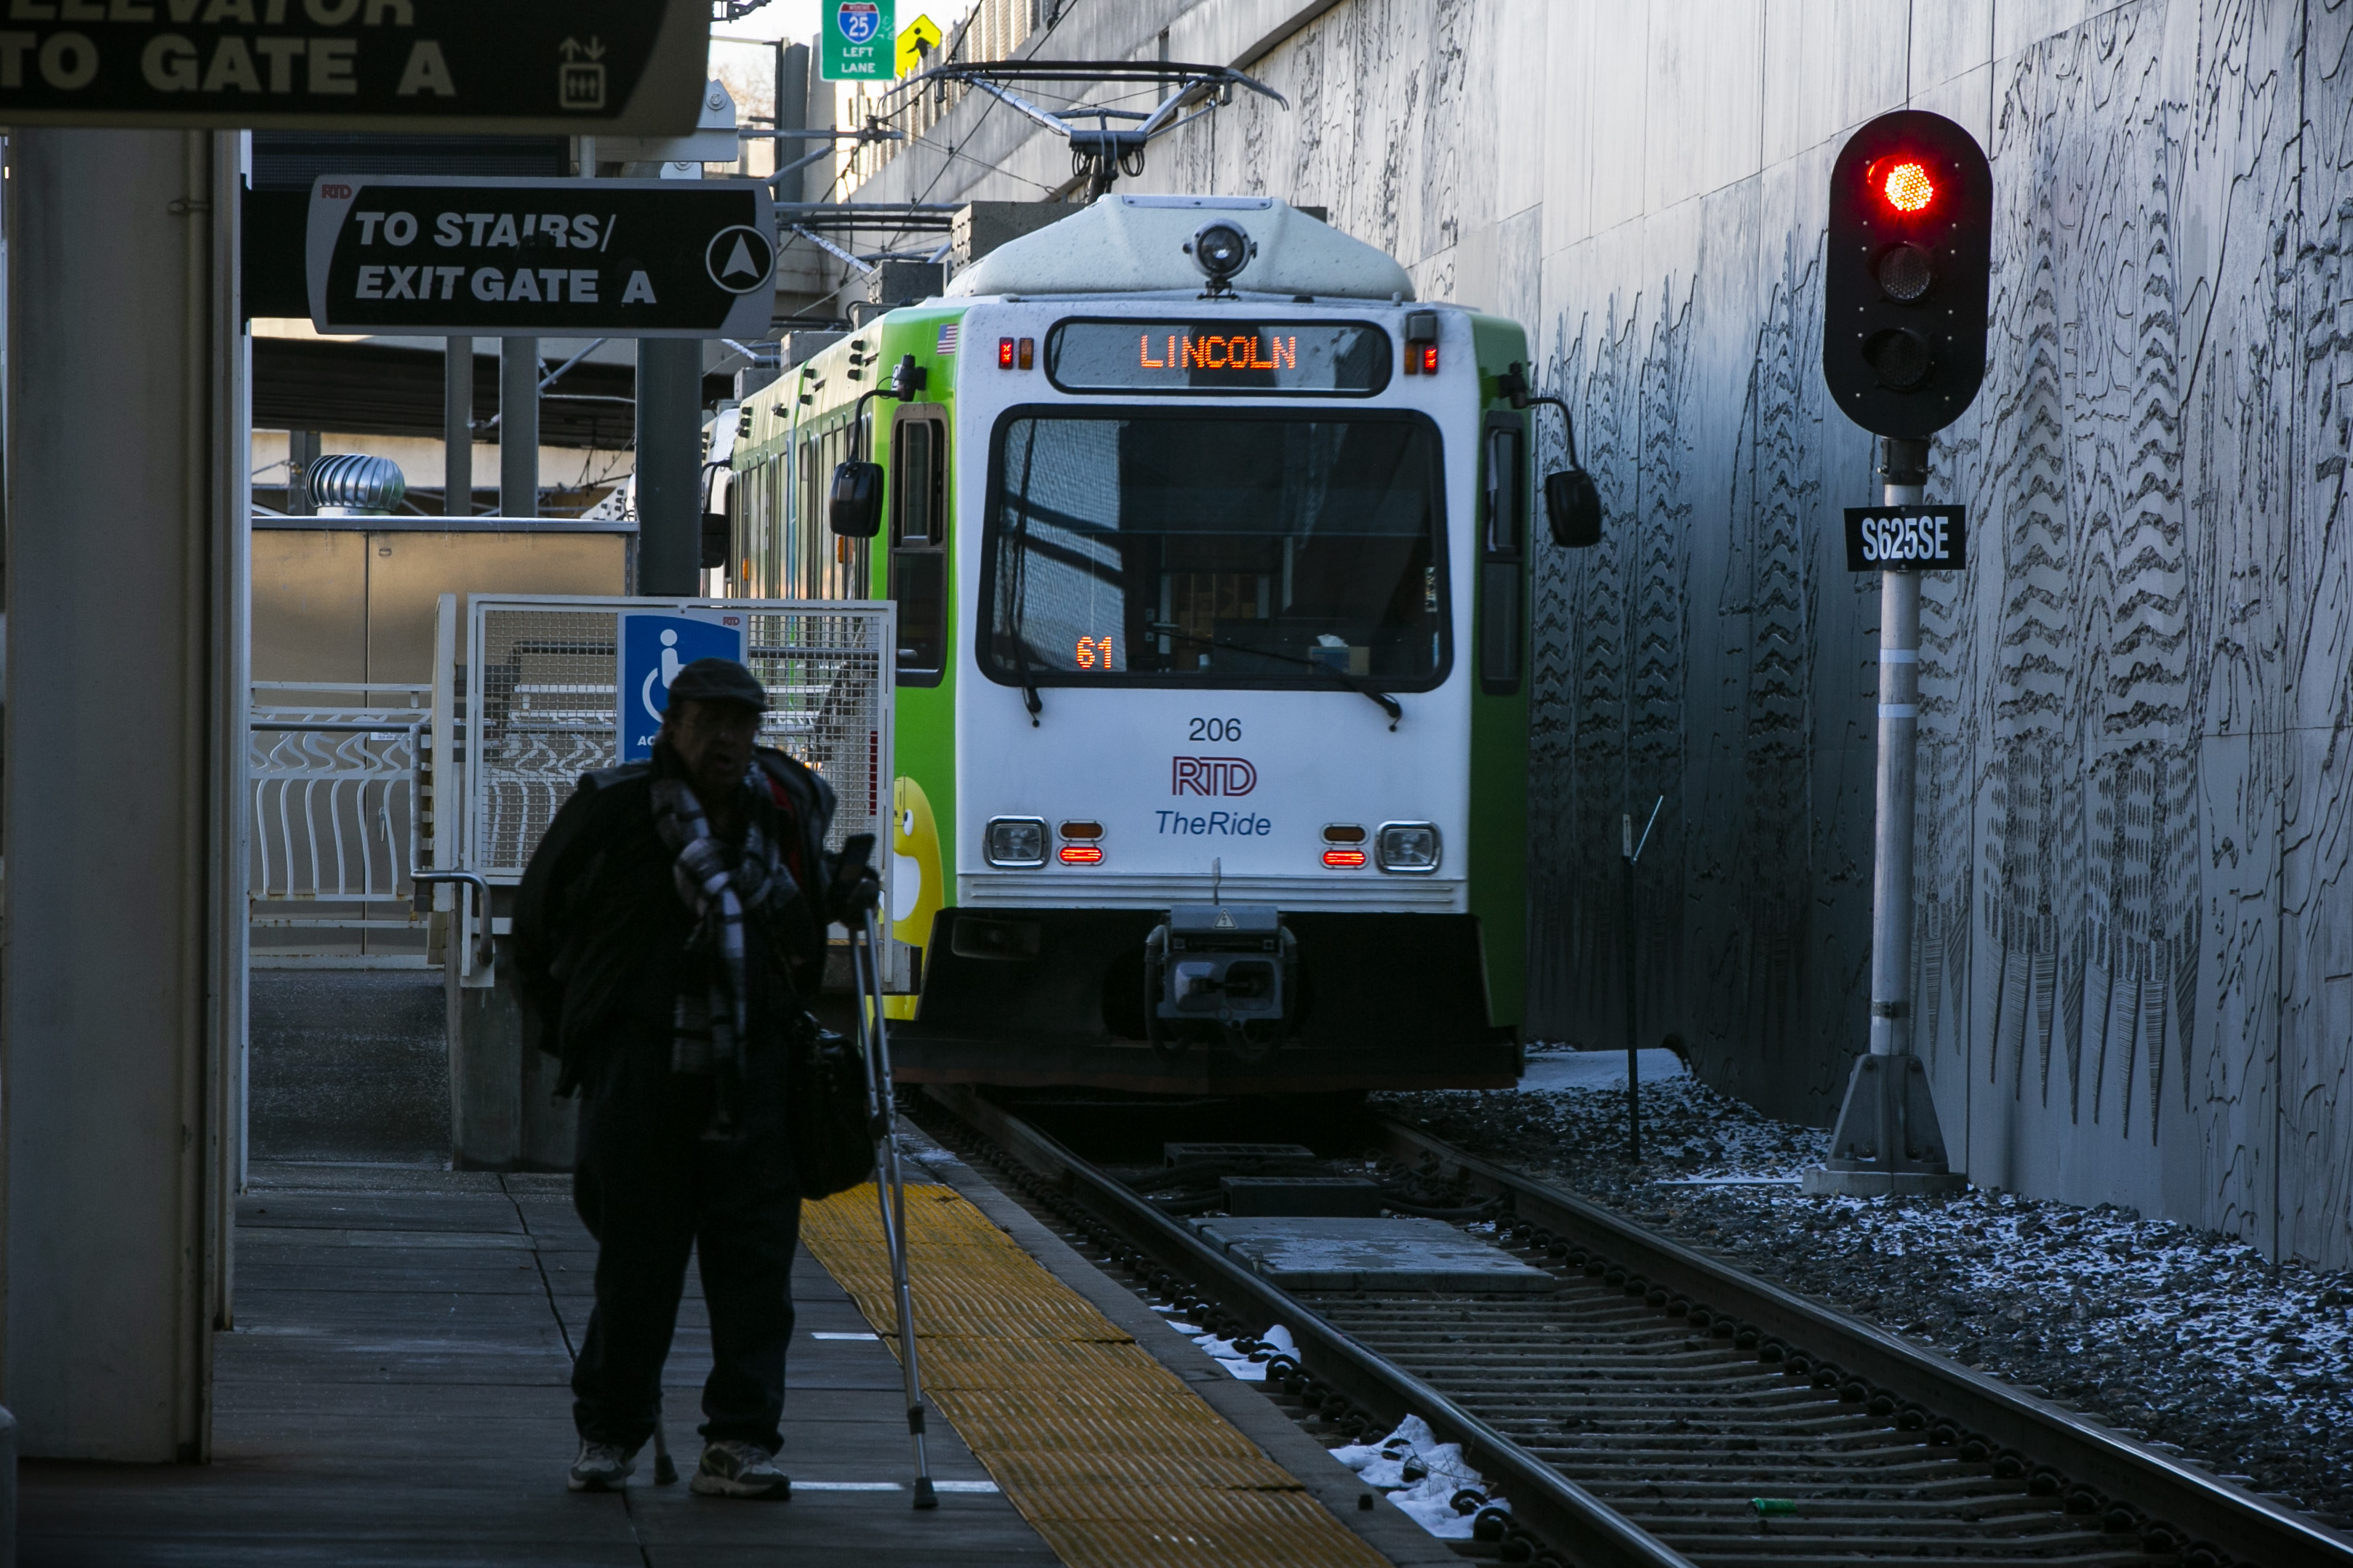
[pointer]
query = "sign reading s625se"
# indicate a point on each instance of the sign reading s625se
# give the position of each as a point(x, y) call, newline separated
point(642, 258)
point(550, 66)
point(1906, 538)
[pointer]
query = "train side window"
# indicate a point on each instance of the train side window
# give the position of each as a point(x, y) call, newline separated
point(1503, 556)
point(918, 555)
point(914, 483)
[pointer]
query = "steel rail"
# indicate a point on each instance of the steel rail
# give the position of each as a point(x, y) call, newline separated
point(1544, 1502)
point(2250, 1527)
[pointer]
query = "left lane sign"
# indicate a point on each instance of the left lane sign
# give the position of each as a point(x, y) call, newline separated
point(559, 67)
point(623, 258)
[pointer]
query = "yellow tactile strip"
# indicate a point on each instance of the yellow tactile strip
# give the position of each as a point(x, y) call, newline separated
point(1105, 1451)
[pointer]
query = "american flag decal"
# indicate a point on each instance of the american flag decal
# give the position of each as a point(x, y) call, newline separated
point(947, 338)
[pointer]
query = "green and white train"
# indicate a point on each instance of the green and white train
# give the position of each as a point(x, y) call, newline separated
point(1213, 707)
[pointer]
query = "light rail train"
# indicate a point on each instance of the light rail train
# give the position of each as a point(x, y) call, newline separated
point(1212, 706)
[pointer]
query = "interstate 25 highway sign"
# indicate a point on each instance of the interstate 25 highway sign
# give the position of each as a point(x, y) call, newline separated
point(560, 67)
point(422, 257)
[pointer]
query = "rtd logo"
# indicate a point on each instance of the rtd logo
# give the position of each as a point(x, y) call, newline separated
point(335, 193)
point(1217, 776)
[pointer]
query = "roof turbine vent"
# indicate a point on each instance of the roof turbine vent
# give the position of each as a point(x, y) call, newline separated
point(356, 484)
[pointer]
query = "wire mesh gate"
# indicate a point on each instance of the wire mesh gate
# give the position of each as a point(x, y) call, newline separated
point(539, 708)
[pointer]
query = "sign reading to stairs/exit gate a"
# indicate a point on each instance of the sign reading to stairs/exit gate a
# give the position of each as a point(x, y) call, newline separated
point(559, 67)
point(491, 258)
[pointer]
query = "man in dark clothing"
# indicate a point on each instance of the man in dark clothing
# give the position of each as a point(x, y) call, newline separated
point(665, 932)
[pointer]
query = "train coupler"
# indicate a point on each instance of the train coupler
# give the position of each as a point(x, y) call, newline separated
point(1220, 973)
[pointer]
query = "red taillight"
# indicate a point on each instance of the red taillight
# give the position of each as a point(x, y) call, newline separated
point(1905, 184)
point(1427, 354)
point(1344, 859)
point(1081, 854)
point(1004, 353)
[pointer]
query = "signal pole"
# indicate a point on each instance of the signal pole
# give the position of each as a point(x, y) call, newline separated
point(1903, 343)
point(1887, 1141)
point(1905, 469)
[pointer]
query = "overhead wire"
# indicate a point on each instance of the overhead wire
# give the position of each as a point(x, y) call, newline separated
point(953, 153)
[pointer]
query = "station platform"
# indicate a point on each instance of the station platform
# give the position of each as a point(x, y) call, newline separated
point(395, 1393)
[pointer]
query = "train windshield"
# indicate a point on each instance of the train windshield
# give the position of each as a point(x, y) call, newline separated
point(1185, 547)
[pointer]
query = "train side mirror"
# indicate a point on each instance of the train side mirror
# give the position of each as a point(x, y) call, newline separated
point(854, 510)
point(1573, 509)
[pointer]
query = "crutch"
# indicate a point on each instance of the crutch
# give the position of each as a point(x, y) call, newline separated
point(889, 1185)
point(665, 1470)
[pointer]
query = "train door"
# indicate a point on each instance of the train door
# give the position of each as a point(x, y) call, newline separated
point(1503, 555)
point(919, 540)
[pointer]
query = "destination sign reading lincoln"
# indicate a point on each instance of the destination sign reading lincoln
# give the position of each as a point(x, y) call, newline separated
point(562, 66)
point(642, 258)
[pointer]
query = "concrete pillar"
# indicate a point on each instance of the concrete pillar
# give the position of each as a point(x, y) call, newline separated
point(7, 1490)
point(485, 1026)
point(519, 427)
point(504, 1112)
point(458, 427)
point(121, 1003)
point(669, 466)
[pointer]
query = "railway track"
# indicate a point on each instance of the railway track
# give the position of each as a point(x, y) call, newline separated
point(1659, 1408)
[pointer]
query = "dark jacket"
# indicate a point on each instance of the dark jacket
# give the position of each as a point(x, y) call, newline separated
point(600, 932)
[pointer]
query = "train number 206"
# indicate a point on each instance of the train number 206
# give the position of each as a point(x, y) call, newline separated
point(1216, 730)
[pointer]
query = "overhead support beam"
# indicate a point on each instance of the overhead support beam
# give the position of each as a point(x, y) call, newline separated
point(457, 429)
point(519, 427)
point(669, 465)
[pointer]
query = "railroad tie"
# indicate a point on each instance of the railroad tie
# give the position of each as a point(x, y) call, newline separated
point(1103, 1450)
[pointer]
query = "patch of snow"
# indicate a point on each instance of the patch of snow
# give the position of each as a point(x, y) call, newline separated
point(1246, 1359)
point(1597, 1069)
point(2167, 1333)
point(1423, 1476)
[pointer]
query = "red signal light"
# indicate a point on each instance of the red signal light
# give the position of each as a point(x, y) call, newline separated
point(1344, 859)
point(1081, 854)
point(1004, 353)
point(1905, 184)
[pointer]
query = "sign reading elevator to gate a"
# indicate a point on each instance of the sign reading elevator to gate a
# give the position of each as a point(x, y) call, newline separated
point(655, 645)
point(624, 258)
point(561, 66)
point(1906, 538)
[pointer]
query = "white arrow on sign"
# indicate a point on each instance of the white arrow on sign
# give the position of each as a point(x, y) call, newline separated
point(748, 262)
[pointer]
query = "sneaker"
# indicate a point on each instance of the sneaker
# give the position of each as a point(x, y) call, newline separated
point(737, 1469)
point(601, 1467)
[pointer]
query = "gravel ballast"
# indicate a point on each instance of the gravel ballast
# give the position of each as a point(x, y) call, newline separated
point(2188, 1338)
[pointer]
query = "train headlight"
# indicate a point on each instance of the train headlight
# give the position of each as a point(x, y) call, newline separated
point(1016, 841)
point(1407, 847)
point(1220, 250)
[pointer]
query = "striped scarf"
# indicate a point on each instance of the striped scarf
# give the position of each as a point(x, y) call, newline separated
point(719, 887)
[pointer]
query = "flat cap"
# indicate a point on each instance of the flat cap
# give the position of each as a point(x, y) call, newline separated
point(719, 680)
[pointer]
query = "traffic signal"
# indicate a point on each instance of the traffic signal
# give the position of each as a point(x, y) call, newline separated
point(1904, 288)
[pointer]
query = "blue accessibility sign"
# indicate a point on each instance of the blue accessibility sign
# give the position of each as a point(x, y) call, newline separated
point(655, 645)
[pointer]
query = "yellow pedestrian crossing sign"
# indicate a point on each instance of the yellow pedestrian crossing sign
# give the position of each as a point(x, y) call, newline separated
point(919, 37)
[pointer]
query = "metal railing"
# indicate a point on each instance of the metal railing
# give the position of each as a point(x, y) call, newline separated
point(336, 773)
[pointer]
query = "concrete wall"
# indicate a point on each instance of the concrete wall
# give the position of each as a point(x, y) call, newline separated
point(2135, 942)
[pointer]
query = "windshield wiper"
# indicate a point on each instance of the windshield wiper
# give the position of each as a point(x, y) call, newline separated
point(1366, 688)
